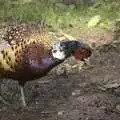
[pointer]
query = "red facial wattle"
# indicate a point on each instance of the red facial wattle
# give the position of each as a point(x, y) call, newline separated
point(81, 53)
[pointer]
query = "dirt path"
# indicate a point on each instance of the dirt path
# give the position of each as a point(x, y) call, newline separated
point(69, 92)
point(90, 94)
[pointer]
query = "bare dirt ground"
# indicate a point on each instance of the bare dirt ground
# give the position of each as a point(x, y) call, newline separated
point(69, 92)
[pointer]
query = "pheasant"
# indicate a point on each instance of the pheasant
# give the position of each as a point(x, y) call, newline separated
point(32, 54)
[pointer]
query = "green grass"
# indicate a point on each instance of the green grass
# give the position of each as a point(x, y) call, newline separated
point(57, 15)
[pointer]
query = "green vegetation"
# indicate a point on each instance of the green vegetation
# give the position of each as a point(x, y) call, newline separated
point(59, 15)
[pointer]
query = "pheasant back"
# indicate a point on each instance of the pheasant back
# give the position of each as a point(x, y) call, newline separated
point(21, 38)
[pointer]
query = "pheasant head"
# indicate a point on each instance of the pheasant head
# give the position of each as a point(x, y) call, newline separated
point(79, 50)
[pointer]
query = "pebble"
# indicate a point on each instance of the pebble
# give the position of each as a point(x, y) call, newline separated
point(60, 113)
point(118, 108)
point(76, 93)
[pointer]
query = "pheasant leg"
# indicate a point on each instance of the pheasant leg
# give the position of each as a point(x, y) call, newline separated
point(22, 96)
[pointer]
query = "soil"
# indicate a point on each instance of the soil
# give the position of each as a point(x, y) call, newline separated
point(70, 91)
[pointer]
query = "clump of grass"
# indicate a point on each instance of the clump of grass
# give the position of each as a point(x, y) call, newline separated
point(13, 11)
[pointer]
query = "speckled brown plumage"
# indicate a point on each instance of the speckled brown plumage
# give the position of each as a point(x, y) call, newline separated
point(18, 33)
point(33, 62)
point(30, 44)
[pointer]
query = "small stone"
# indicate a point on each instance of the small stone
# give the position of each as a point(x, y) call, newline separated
point(112, 85)
point(60, 70)
point(76, 93)
point(60, 113)
point(118, 108)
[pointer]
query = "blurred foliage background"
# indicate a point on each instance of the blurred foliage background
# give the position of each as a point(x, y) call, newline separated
point(61, 13)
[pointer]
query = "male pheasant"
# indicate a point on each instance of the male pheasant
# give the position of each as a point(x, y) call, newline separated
point(32, 54)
